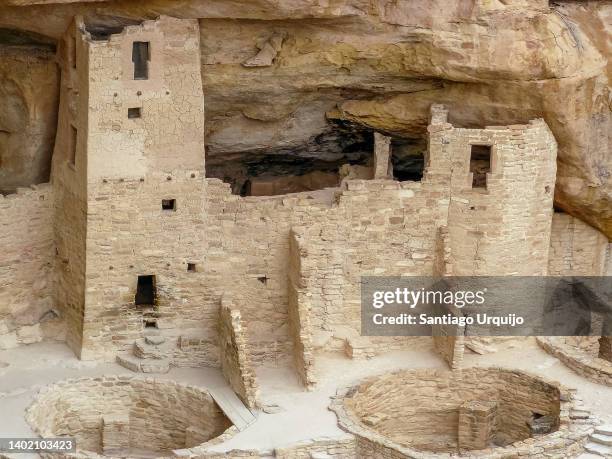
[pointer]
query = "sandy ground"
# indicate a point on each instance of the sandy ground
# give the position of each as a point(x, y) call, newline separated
point(301, 415)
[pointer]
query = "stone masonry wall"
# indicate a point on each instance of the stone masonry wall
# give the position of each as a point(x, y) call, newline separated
point(162, 415)
point(596, 369)
point(134, 163)
point(299, 311)
point(476, 424)
point(432, 400)
point(213, 243)
point(69, 164)
point(576, 248)
point(246, 256)
point(235, 358)
point(375, 411)
point(450, 347)
point(504, 228)
point(368, 225)
point(27, 311)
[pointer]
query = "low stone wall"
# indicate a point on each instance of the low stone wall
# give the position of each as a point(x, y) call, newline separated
point(318, 448)
point(379, 411)
point(111, 413)
point(337, 449)
point(27, 312)
point(579, 360)
point(235, 361)
point(299, 307)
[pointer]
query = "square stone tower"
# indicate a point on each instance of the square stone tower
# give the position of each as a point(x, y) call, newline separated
point(132, 148)
point(501, 197)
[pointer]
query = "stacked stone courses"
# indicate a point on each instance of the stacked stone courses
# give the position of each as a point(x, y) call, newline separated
point(238, 282)
point(154, 415)
point(406, 414)
point(125, 167)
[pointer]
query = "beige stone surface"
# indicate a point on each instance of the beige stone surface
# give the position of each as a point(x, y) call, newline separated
point(419, 413)
point(576, 248)
point(130, 207)
point(384, 62)
point(235, 355)
point(120, 415)
point(29, 81)
point(28, 313)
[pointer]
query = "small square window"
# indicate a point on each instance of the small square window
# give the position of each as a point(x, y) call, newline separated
point(191, 267)
point(134, 112)
point(168, 204)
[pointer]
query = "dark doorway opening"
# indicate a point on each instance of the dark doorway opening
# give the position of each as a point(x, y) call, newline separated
point(140, 58)
point(480, 165)
point(408, 159)
point(146, 292)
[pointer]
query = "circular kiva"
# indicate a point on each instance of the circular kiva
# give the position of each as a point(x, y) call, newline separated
point(123, 416)
point(475, 412)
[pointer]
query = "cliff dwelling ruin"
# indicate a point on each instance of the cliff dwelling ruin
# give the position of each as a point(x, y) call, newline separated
point(192, 194)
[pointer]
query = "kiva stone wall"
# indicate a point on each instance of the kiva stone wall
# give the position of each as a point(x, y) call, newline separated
point(477, 423)
point(319, 448)
point(161, 415)
point(235, 359)
point(27, 309)
point(377, 409)
point(432, 400)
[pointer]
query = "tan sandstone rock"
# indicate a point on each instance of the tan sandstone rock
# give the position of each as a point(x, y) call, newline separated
point(383, 63)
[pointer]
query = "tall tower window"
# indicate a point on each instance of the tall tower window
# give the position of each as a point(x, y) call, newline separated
point(140, 58)
point(146, 291)
point(480, 165)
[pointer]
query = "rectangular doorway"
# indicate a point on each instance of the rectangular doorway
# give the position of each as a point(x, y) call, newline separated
point(146, 291)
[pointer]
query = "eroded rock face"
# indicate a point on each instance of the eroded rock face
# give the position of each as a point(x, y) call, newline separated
point(379, 64)
point(28, 112)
